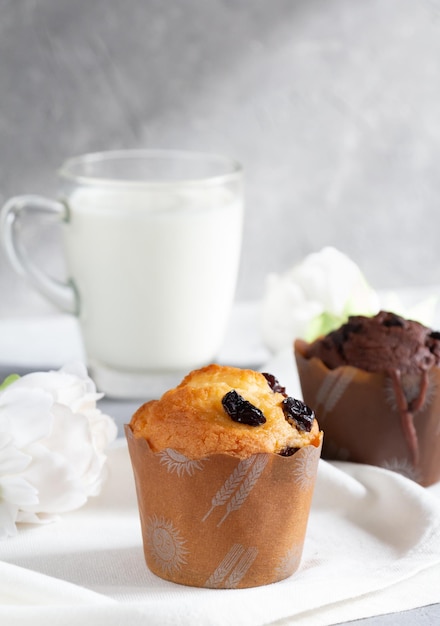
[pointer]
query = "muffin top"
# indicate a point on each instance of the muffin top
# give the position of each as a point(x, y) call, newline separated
point(226, 410)
point(379, 344)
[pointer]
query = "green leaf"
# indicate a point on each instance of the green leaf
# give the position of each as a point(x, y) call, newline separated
point(323, 324)
point(8, 380)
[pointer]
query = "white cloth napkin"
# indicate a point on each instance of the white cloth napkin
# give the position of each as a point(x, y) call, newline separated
point(372, 534)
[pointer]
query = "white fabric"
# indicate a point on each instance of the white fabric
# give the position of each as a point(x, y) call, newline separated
point(373, 536)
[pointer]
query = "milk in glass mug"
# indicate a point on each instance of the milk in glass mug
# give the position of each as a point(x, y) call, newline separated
point(152, 241)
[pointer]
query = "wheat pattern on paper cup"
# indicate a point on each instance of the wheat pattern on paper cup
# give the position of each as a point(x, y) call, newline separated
point(233, 567)
point(333, 388)
point(305, 468)
point(178, 463)
point(290, 562)
point(238, 485)
point(403, 467)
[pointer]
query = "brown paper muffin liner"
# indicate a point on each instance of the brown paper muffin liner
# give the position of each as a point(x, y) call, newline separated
point(374, 418)
point(223, 522)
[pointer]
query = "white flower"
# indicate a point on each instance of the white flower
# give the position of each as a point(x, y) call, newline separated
point(423, 311)
point(313, 298)
point(52, 445)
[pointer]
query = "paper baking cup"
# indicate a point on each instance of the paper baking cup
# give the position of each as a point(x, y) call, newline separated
point(223, 522)
point(363, 420)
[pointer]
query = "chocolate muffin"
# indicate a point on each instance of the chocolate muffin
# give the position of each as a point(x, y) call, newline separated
point(373, 383)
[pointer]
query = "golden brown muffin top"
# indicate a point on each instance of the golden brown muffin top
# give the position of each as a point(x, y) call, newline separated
point(198, 417)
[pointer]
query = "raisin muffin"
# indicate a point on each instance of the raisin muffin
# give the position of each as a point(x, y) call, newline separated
point(373, 383)
point(224, 451)
point(226, 410)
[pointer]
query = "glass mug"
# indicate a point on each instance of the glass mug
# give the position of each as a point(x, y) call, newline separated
point(152, 241)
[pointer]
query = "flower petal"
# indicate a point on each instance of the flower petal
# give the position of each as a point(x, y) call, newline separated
point(326, 287)
point(25, 414)
point(17, 491)
point(27, 517)
point(52, 442)
point(59, 486)
point(12, 460)
point(8, 516)
point(71, 437)
point(66, 385)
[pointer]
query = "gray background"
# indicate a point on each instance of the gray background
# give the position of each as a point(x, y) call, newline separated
point(333, 107)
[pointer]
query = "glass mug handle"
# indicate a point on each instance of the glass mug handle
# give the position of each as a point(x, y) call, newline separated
point(61, 294)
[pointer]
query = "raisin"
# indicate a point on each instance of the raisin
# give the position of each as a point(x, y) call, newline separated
point(241, 410)
point(288, 451)
point(297, 413)
point(274, 384)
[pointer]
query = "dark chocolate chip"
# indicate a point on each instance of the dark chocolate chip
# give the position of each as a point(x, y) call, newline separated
point(350, 328)
point(241, 410)
point(393, 320)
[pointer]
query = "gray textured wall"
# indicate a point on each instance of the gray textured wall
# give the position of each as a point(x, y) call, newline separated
point(333, 106)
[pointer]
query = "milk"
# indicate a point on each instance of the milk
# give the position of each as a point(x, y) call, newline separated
point(155, 272)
